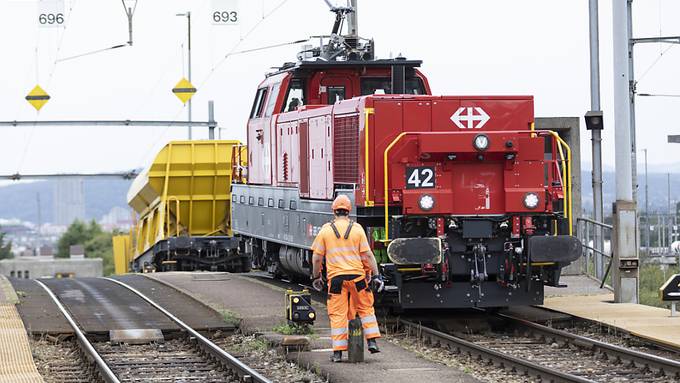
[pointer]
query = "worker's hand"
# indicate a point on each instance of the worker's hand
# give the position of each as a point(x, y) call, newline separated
point(318, 284)
point(377, 283)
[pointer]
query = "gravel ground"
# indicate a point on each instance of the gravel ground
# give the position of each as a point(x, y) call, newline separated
point(60, 361)
point(256, 353)
point(465, 363)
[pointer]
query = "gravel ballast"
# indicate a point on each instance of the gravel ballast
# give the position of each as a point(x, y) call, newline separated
point(60, 361)
point(256, 353)
point(462, 362)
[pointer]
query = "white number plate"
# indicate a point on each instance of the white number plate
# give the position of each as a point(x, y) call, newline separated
point(225, 12)
point(50, 13)
point(421, 177)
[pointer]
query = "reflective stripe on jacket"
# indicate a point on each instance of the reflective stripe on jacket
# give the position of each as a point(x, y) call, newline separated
point(343, 256)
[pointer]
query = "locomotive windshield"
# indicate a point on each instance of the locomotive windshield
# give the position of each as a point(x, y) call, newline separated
point(383, 85)
point(295, 96)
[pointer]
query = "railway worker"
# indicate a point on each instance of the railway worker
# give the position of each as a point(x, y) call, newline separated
point(344, 245)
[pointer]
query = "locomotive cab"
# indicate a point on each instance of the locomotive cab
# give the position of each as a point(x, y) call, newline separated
point(307, 85)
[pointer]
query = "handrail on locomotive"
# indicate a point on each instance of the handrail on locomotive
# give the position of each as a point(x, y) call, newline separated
point(566, 169)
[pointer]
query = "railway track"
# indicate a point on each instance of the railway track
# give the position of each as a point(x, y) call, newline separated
point(189, 358)
point(551, 355)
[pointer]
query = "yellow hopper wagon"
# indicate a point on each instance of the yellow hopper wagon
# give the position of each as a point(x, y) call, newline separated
point(183, 202)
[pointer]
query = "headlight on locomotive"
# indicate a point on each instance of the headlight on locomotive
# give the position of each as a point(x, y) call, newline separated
point(481, 142)
point(531, 200)
point(426, 202)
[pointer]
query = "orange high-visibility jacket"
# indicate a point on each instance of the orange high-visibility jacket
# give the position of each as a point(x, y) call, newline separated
point(343, 256)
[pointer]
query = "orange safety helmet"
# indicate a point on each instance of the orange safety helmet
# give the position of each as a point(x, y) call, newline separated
point(342, 202)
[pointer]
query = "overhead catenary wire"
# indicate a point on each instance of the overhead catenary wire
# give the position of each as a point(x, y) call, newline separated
point(230, 53)
point(164, 72)
point(92, 52)
point(61, 41)
point(656, 61)
point(657, 95)
point(129, 12)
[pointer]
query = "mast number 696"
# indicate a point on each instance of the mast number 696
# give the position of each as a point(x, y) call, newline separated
point(51, 18)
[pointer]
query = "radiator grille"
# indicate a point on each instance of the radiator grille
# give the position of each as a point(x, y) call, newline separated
point(304, 158)
point(346, 149)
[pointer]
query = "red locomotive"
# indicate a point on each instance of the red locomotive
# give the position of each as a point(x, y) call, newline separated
point(464, 203)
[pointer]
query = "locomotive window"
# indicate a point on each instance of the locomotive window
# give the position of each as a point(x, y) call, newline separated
point(270, 202)
point(295, 95)
point(251, 200)
point(293, 205)
point(258, 104)
point(260, 201)
point(273, 95)
point(383, 85)
point(335, 94)
point(243, 199)
point(234, 198)
point(282, 205)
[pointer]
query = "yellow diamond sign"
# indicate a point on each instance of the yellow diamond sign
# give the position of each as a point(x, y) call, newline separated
point(184, 90)
point(37, 97)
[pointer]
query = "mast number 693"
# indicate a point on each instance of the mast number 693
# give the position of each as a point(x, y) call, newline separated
point(225, 16)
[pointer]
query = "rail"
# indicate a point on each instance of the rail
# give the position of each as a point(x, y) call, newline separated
point(590, 230)
point(671, 368)
point(245, 373)
point(533, 133)
point(85, 345)
point(483, 353)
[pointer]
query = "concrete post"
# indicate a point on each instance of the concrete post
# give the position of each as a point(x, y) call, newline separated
point(355, 343)
point(211, 120)
point(625, 262)
point(631, 99)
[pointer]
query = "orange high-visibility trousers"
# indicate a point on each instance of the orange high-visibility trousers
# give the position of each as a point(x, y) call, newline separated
point(339, 307)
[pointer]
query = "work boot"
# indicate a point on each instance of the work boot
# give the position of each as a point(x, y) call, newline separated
point(336, 357)
point(373, 346)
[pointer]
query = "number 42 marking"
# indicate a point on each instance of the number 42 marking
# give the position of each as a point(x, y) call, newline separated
point(420, 177)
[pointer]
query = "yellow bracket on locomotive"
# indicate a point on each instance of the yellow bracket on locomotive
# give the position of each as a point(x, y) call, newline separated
point(566, 169)
point(367, 113)
point(567, 195)
point(386, 180)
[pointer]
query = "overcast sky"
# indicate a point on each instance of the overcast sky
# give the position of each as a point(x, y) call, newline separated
point(473, 47)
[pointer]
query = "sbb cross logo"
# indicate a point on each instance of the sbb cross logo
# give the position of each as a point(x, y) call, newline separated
point(473, 120)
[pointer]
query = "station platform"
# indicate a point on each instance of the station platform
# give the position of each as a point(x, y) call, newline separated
point(586, 300)
point(16, 359)
point(261, 307)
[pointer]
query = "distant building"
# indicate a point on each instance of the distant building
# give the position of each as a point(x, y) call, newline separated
point(117, 218)
point(46, 251)
point(77, 252)
point(69, 200)
point(49, 267)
